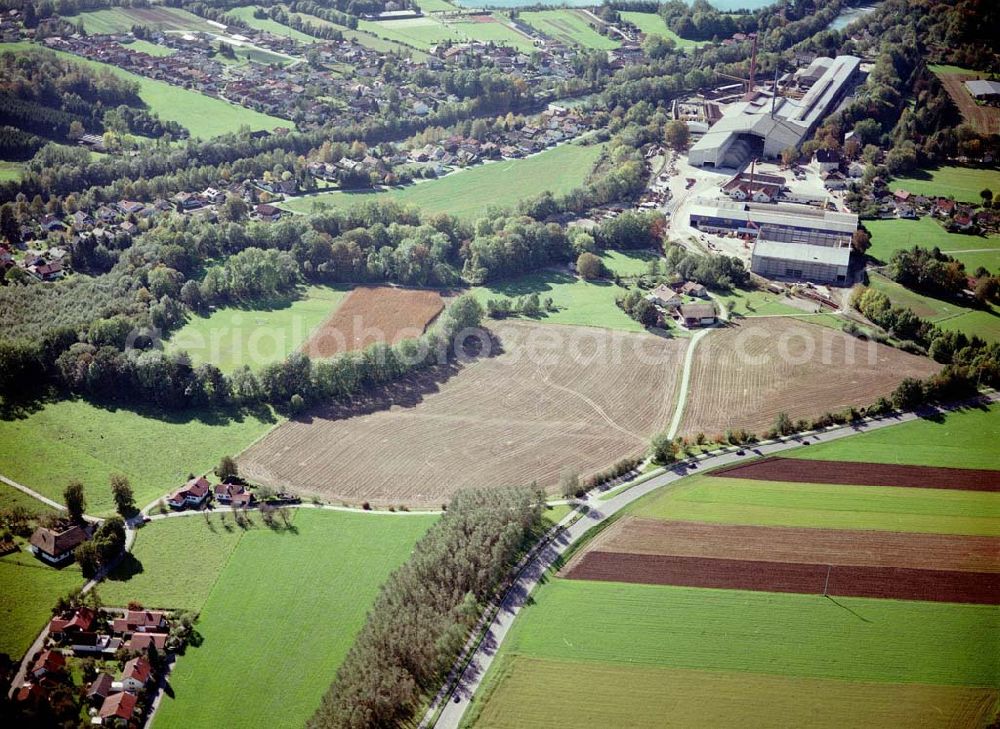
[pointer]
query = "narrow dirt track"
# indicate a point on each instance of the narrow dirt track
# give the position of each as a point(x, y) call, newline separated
point(898, 583)
point(800, 470)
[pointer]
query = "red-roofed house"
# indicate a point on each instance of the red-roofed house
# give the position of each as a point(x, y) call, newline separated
point(136, 675)
point(47, 663)
point(141, 642)
point(194, 494)
point(141, 621)
point(118, 707)
point(61, 628)
point(55, 546)
point(234, 494)
point(944, 207)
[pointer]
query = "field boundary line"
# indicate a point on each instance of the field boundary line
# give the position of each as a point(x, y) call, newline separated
point(682, 395)
point(32, 493)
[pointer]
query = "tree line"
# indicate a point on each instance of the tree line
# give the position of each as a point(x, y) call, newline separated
point(422, 617)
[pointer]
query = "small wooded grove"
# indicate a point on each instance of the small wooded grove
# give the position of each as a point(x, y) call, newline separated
point(426, 609)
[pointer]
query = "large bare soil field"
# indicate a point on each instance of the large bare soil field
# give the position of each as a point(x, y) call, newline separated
point(743, 376)
point(800, 470)
point(984, 119)
point(548, 398)
point(636, 535)
point(370, 315)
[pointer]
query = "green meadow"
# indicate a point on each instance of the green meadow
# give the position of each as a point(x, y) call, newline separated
point(121, 20)
point(245, 13)
point(152, 49)
point(568, 26)
point(468, 193)
point(962, 183)
point(653, 24)
point(72, 439)
point(231, 337)
point(284, 612)
point(889, 236)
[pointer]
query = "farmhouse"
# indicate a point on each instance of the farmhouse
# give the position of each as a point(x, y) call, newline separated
point(233, 494)
point(727, 216)
point(801, 261)
point(55, 545)
point(194, 494)
point(665, 296)
point(698, 315)
point(765, 126)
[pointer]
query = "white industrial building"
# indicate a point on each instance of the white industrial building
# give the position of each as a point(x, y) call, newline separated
point(747, 218)
point(801, 262)
point(765, 126)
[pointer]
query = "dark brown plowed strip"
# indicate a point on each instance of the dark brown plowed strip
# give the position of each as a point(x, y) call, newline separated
point(799, 470)
point(634, 535)
point(733, 574)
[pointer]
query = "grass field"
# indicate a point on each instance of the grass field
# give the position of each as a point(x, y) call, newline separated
point(152, 49)
point(468, 193)
point(577, 302)
point(568, 26)
point(422, 33)
point(121, 20)
point(889, 236)
point(757, 302)
point(964, 183)
point(232, 337)
point(284, 612)
point(245, 13)
point(628, 263)
point(855, 639)
point(653, 24)
point(366, 39)
point(156, 578)
point(10, 170)
point(945, 314)
point(10, 497)
point(964, 439)
point(767, 503)
point(28, 589)
point(74, 439)
point(202, 115)
point(545, 693)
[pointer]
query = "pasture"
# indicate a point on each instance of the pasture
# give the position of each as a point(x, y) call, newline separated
point(369, 315)
point(233, 336)
point(469, 192)
point(121, 20)
point(760, 302)
point(152, 574)
point(72, 439)
point(10, 171)
point(202, 115)
point(653, 24)
point(889, 236)
point(246, 14)
point(285, 610)
point(548, 398)
point(533, 692)
point(430, 30)
point(577, 302)
point(151, 49)
point(962, 183)
point(365, 39)
point(568, 26)
point(746, 374)
point(28, 589)
point(628, 262)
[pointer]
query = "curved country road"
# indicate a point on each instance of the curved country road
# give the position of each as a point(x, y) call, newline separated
point(457, 694)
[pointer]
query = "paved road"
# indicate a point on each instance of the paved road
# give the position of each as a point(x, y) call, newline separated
point(457, 701)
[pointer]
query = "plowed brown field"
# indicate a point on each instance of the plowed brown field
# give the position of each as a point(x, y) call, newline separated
point(813, 546)
point(984, 119)
point(555, 398)
point(371, 315)
point(797, 470)
point(898, 583)
point(745, 375)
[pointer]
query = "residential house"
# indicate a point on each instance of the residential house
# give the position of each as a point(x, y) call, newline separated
point(268, 212)
point(834, 180)
point(55, 545)
point(49, 662)
point(666, 297)
point(142, 641)
point(828, 160)
point(214, 196)
point(141, 621)
point(693, 288)
point(64, 628)
point(855, 170)
point(100, 689)
point(901, 196)
point(129, 207)
point(233, 494)
point(136, 674)
point(698, 315)
point(118, 708)
point(943, 207)
point(193, 494)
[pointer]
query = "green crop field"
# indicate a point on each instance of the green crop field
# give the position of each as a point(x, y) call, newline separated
point(767, 503)
point(653, 24)
point(28, 589)
point(468, 193)
point(497, 32)
point(856, 639)
point(960, 439)
point(567, 26)
point(202, 115)
point(72, 439)
point(889, 236)
point(962, 183)
point(577, 302)
point(284, 612)
point(945, 314)
point(152, 49)
point(530, 692)
point(154, 576)
point(233, 336)
point(420, 33)
point(121, 20)
point(245, 13)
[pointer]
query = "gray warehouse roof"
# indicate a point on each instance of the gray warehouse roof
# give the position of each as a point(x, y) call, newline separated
point(801, 252)
point(983, 88)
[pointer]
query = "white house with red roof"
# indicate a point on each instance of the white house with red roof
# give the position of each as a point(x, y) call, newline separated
point(193, 495)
